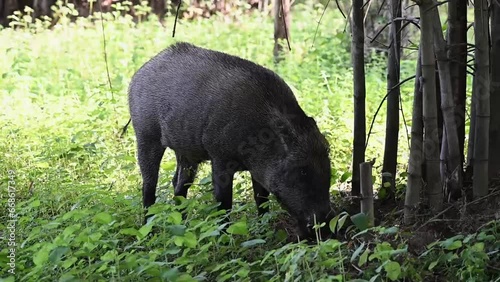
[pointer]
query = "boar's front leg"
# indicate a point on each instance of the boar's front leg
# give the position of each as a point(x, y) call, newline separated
point(184, 175)
point(261, 196)
point(222, 180)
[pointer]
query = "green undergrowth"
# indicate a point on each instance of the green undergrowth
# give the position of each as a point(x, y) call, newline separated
point(77, 186)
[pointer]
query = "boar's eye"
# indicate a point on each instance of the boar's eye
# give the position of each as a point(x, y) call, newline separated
point(303, 171)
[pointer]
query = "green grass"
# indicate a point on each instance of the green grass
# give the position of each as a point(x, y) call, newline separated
point(77, 184)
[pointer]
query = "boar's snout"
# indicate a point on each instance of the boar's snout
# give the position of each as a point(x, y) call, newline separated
point(306, 225)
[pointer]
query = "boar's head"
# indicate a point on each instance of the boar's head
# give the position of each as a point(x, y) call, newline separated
point(299, 175)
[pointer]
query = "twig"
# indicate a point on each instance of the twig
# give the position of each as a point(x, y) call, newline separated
point(409, 20)
point(380, 8)
point(404, 122)
point(105, 52)
point(454, 205)
point(340, 9)
point(437, 4)
point(348, 21)
point(369, 2)
point(124, 130)
point(482, 198)
point(284, 24)
point(176, 16)
point(382, 102)
point(320, 18)
point(366, 3)
point(436, 216)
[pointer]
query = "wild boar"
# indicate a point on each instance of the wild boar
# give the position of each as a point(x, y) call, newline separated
point(208, 105)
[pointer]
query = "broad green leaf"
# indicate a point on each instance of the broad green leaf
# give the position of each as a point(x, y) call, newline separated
point(357, 252)
point(42, 165)
point(130, 231)
point(57, 253)
point(178, 240)
point(168, 166)
point(71, 229)
point(170, 274)
point(433, 264)
point(42, 256)
point(374, 278)
point(253, 242)
point(35, 203)
point(190, 240)
point(390, 230)
point(452, 243)
point(337, 222)
point(238, 228)
point(361, 221)
point(177, 230)
point(243, 272)
point(69, 262)
point(103, 218)
point(345, 176)
point(342, 221)
point(364, 257)
point(172, 251)
point(393, 270)
point(67, 277)
point(109, 255)
point(175, 217)
point(206, 180)
point(144, 230)
point(478, 247)
point(210, 233)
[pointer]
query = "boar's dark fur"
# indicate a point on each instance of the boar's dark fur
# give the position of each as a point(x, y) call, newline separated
point(207, 105)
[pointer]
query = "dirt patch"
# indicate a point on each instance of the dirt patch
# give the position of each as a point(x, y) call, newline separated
point(460, 217)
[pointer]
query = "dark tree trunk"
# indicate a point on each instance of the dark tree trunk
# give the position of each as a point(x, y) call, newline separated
point(412, 197)
point(281, 27)
point(159, 8)
point(7, 7)
point(392, 120)
point(43, 7)
point(457, 54)
point(481, 97)
point(450, 153)
point(495, 92)
point(219, 5)
point(358, 63)
point(431, 138)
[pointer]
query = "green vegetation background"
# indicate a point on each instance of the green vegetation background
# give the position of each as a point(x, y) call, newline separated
point(78, 186)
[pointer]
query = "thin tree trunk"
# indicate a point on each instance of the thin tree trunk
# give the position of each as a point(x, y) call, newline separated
point(367, 191)
point(3, 17)
point(451, 154)
point(431, 140)
point(392, 120)
point(412, 197)
point(219, 5)
point(281, 27)
point(358, 63)
point(457, 54)
point(481, 95)
point(7, 8)
point(495, 91)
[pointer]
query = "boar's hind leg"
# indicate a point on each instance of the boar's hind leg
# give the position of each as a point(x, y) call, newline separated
point(222, 179)
point(261, 196)
point(184, 176)
point(150, 153)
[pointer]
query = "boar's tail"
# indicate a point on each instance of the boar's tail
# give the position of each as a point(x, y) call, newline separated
point(124, 130)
